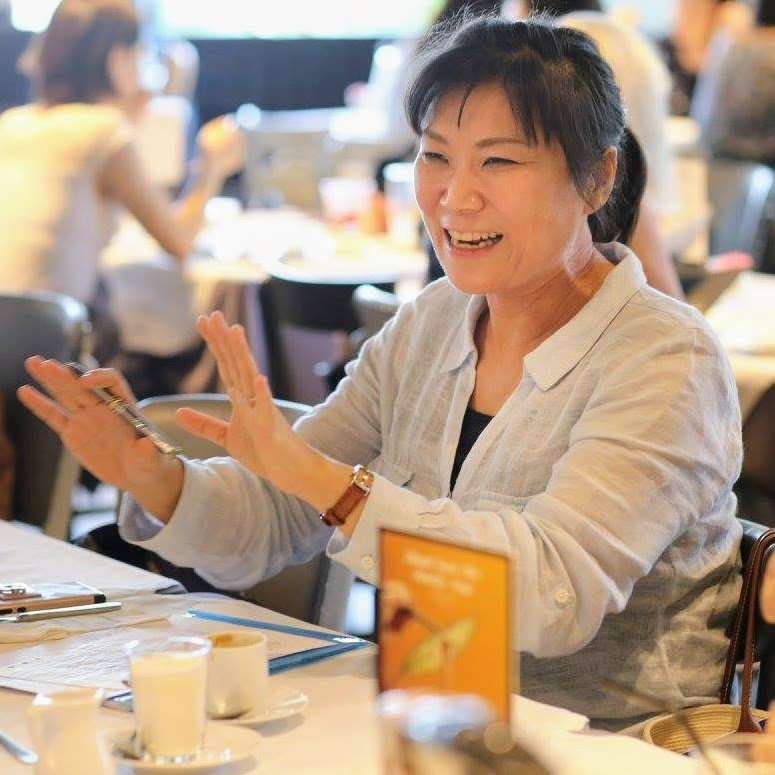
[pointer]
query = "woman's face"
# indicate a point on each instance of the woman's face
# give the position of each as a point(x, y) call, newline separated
point(504, 216)
point(124, 71)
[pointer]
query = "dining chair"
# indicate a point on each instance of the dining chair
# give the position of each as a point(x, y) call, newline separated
point(373, 308)
point(292, 305)
point(54, 326)
point(315, 591)
point(765, 633)
point(742, 196)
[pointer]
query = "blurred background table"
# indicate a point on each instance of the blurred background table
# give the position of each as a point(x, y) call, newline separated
point(156, 301)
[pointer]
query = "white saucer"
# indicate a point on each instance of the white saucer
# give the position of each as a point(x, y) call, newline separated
point(223, 745)
point(282, 704)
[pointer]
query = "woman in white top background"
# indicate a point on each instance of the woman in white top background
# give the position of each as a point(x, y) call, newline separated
point(67, 160)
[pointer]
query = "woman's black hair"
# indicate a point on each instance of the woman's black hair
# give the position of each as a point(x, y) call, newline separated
point(455, 8)
point(561, 7)
point(559, 88)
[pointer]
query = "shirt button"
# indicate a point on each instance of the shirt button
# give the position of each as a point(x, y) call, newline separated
point(562, 596)
point(367, 562)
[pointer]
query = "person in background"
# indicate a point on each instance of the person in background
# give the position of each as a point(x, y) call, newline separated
point(541, 400)
point(734, 102)
point(68, 162)
point(645, 85)
point(696, 24)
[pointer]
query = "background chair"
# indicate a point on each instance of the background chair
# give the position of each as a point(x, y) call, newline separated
point(54, 326)
point(304, 319)
point(316, 591)
point(742, 201)
point(373, 308)
point(742, 195)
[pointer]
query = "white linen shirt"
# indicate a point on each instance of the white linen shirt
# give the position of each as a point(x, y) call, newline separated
point(607, 474)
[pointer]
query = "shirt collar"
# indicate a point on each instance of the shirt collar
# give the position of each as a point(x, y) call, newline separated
point(462, 346)
point(558, 354)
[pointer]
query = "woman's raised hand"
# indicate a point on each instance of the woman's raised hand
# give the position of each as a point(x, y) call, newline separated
point(222, 146)
point(257, 434)
point(100, 440)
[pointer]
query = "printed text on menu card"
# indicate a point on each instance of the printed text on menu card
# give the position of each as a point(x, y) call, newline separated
point(445, 618)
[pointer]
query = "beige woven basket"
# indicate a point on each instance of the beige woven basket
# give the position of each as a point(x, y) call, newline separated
point(709, 722)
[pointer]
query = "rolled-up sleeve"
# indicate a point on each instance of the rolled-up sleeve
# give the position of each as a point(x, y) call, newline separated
point(236, 529)
point(231, 526)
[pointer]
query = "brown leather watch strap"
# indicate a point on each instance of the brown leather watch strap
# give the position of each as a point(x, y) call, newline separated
point(358, 489)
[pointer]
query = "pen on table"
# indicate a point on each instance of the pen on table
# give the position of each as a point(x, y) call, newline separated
point(128, 413)
point(54, 613)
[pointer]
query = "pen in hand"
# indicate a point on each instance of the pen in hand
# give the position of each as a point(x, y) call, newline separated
point(129, 414)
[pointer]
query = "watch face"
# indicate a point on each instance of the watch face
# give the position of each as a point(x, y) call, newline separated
point(363, 478)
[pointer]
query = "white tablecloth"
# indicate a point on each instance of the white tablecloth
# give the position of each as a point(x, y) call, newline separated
point(337, 733)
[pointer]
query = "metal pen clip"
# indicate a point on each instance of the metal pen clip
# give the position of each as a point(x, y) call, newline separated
point(129, 414)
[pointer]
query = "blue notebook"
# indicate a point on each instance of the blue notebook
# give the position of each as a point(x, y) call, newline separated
point(339, 644)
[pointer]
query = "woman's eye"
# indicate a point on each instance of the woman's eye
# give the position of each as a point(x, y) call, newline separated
point(497, 161)
point(431, 156)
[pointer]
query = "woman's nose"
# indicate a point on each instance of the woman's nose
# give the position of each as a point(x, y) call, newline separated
point(461, 193)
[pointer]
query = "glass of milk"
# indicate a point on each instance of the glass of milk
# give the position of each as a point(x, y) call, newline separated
point(169, 685)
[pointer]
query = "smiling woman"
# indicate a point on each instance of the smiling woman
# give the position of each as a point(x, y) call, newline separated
point(503, 213)
point(541, 400)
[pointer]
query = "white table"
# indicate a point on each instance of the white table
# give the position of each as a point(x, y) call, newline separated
point(743, 316)
point(337, 732)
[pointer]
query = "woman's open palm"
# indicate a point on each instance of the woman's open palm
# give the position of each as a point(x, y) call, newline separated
point(100, 440)
point(256, 434)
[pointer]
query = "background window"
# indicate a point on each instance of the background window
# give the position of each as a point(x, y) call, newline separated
point(238, 19)
point(308, 18)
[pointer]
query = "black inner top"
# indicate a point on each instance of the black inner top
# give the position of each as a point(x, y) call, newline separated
point(473, 424)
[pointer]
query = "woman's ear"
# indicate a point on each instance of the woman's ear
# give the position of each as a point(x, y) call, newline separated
point(602, 181)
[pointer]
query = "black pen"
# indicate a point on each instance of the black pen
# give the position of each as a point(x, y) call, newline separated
point(126, 412)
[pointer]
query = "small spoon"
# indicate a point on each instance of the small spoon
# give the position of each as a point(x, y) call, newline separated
point(22, 753)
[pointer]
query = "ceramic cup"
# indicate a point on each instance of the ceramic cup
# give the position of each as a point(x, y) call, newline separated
point(238, 672)
point(64, 730)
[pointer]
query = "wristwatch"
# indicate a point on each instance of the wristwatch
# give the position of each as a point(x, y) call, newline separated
point(358, 489)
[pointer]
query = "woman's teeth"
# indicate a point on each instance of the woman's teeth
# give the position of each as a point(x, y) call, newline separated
point(472, 240)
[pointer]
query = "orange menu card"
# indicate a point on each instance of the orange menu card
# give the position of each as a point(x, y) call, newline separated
point(445, 618)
